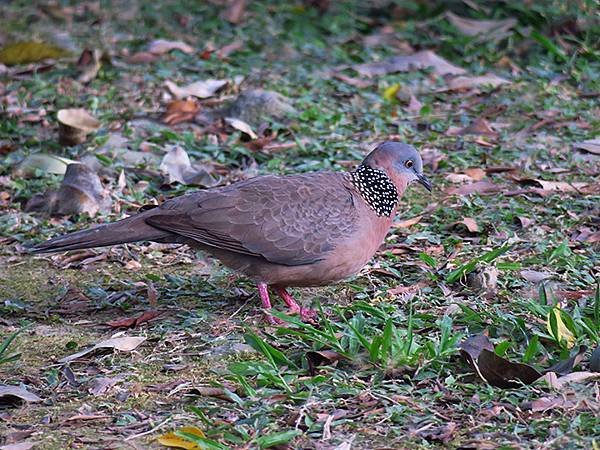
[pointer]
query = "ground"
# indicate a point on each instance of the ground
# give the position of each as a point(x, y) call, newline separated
point(505, 246)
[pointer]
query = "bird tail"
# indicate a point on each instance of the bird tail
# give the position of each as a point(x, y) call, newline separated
point(127, 230)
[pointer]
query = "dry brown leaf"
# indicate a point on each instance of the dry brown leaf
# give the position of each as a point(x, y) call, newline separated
point(476, 173)
point(88, 65)
point(162, 46)
point(479, 187)
point(405, 63)
point(496, 371)
point(546, 403)
point(479, 127)
point(199, 89)
point(235, 11)
point(81, 191)
point(554, 186)
point(559, 383)
point(25, 445)
point(356, 82)
point(414, 106)
point(177, 168)
point(242, 126)
point(9, 393)
point(75, 125)
point(534, 276)
point(131, 322)
point(471, 225)
point(123, 344)
point(473, 27)
point(464, 83)
point(591, 146)
point(408, 222)
point(180, 111)
point(142, 58)
point(228, 49)
point(101, 385)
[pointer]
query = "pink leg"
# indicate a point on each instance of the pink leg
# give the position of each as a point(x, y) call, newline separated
point(263, 291)
point(307, 315)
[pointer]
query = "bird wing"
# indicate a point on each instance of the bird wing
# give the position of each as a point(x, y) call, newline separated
point(291, 220)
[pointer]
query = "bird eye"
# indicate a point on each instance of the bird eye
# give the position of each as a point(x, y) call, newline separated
point(409, 163)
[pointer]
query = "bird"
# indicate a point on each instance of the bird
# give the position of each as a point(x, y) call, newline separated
point(306, 229)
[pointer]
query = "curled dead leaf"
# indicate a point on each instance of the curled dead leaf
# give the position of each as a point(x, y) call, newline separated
point(123, 344)
point(162, 46)
point(322, 357)
point(465, 83)
point(75, 125)
point(473, 27)
point(242, 126)
point(417, 61)
point(44, 163)
point(177, 167)
point(179, 111)
point(199, 89)
point(88, 65)
point(591, 146)
point(479, 187)
point(15, 394)
point(81, 191)
point(491, 368)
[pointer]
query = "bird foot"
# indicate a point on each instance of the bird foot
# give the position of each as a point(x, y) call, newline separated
point(306, 314)
point(272, 320)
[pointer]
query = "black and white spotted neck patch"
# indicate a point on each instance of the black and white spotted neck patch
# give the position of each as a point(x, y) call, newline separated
point(376, 188)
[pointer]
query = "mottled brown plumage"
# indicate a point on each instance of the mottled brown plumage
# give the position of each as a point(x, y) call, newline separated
point(298, 230)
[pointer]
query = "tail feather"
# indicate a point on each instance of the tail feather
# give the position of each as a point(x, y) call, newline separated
point(131, 229)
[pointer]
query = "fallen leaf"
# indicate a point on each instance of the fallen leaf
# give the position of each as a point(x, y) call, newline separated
point(88, 65)
point(473, 27)
point(81, 191)
point(408, 222)
point(547, 403)
point(356, 82)
point(535, 276)
point(30, 52)
point(414, 106)
point(44, 163)
point(142, 58)
point(478, 126)
point(199, 89)
point(242, 126)
point(228, 49)
point(322, 357)
point(75, 125)
point(469, 223)
point(390, 92)
point(86, 417)
point(235, 11)
point(476, 173)
point(464, 83)
point(180, 111)
point(162, 46)
point(172, 440)
point(405, 63)
point(560, 330)
point(130, 322)
point(132, 264)
point(591, 146)
point(575, 377)
point(479, 187)
point(177, 167)
point(101, 385)
point(496, 371)
point(565, 367)
point(123, 344)
point(25, 445)
point(12, 394)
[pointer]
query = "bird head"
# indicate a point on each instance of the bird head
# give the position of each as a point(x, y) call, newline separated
point(400, 162)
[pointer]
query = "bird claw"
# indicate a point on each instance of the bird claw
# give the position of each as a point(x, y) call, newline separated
point(273, 320)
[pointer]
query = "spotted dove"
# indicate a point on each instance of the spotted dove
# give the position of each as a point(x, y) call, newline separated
point(280, 231)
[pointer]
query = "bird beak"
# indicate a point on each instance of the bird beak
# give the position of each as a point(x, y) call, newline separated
point(422, 179)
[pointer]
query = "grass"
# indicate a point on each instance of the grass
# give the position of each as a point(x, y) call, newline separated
point(382, 367)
